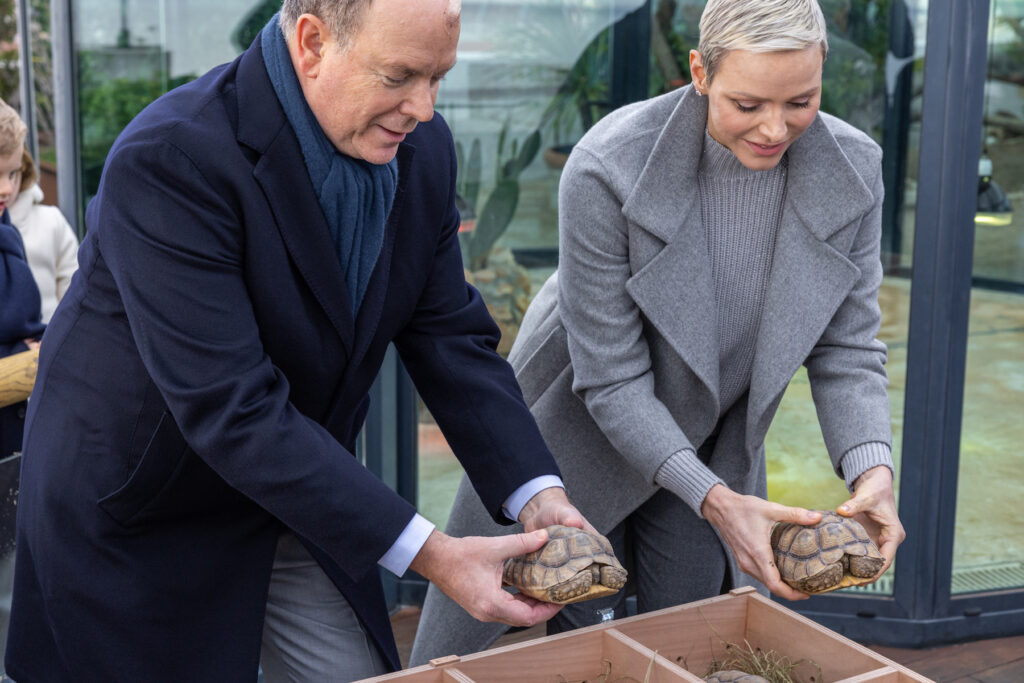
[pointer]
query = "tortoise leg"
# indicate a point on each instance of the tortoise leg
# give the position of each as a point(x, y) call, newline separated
point(823, 580)
point(574, 587)
point(613, 577)
point(865, 567)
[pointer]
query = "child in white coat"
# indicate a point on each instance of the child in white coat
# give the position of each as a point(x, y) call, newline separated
point(51, 246)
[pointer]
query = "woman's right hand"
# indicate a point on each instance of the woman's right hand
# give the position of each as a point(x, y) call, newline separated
point(745, 523)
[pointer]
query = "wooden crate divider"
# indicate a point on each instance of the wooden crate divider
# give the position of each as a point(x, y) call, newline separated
point(668, 646)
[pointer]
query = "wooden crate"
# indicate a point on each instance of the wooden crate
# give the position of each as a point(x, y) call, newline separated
point(670, 645)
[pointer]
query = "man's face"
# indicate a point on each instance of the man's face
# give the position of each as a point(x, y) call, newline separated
point(370, 94)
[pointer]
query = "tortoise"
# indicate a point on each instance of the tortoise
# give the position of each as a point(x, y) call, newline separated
point(733, 676)
point(574, 565)
point(834, 553)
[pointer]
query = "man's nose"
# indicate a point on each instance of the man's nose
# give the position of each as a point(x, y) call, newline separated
point(420, 103)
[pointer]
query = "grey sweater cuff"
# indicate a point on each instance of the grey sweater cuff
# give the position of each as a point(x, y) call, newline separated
point(686, 476)
point(860, 459)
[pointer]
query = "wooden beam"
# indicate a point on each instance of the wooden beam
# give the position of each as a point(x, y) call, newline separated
point(17, 375)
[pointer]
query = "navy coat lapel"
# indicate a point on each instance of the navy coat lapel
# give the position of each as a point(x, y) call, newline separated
point(674, 287)
point(281, 173)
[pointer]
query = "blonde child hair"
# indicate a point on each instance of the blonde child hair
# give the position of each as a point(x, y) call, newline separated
point(12, 129)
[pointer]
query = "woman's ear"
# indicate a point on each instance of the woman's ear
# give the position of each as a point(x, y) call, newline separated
point(311, 36)
point(697, 73)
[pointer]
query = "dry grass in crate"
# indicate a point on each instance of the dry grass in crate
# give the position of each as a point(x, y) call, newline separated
point(768, 664)
point(606, 675)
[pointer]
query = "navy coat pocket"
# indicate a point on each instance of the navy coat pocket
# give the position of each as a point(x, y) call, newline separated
point(158, 467)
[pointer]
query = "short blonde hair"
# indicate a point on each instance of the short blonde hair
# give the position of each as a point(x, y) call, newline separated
point(12, 129)
point(759, 26)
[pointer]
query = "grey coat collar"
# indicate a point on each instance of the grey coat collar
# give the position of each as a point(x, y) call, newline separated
point(809, 278)
point(818, 167)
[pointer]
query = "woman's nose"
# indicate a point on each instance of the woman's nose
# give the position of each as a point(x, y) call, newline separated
point(773, 126)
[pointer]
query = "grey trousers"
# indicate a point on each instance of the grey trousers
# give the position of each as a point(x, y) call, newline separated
point(653, 543)
point(311, 633)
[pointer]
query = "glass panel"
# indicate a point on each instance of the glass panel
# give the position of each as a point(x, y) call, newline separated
point(130, 52)
point(42, 70)
point(988, 543)
point(508, 80)
point(9, 76)
point(873, 79)
point(42, 67)
point(531, 78)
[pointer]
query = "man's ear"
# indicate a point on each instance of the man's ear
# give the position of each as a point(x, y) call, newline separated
point(311, 36)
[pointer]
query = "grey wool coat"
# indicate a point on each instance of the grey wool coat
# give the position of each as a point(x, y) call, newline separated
point(618, 357)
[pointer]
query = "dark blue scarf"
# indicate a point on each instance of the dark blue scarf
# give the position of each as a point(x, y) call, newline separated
point(20, 316)
point(355, 195)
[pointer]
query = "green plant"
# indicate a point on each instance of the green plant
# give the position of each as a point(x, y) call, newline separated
point(467, 185)
point(8, 50)
point(496, 213)
point(583, 94)
point(106, 106)
point(10, 75)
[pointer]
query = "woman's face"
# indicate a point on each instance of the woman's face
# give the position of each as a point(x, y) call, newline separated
point(760, 102)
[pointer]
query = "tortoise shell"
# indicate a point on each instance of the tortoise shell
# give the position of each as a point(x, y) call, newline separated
point(574, 565)
point(834, 553)
point(733, 676)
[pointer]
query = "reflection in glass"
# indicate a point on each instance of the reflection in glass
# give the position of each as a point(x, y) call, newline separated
point(873, 79)
point(988, 543)
point(42, 74)
point(530, 79)
point(129, 53)
point(518, 76)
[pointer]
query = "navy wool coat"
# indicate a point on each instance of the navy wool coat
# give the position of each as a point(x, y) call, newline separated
point(203, 382)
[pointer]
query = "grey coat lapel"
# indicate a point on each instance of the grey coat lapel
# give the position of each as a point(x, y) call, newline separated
point(809, 278)
point(672, 274)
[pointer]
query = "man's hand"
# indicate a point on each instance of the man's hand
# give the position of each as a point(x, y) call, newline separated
point(468, 570)
point(874, 505)
point(745, 522)
point(551, 506)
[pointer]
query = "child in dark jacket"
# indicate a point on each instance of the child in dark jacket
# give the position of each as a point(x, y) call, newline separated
point(21, 323)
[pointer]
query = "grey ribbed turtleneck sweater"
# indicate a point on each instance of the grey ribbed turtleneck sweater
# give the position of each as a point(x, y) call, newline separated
point(741, 210)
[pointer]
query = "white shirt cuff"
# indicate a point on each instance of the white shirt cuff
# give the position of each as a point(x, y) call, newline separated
point(515, 503)
point(397, 559)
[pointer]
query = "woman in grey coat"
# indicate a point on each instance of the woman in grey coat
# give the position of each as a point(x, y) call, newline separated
point(712, 240)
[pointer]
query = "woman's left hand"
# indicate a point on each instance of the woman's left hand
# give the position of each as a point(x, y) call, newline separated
point(874, 505)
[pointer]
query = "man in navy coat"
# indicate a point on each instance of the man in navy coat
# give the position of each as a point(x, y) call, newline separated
point(259, 238)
